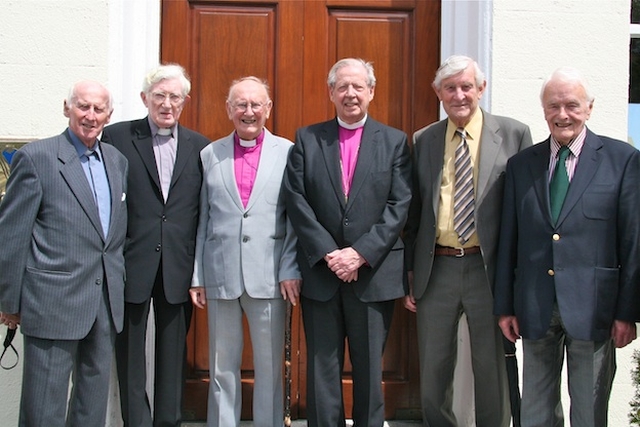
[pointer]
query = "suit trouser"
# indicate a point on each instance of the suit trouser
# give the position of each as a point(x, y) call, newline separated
point(460, 285)
point(365, 325)
point(590, 368)
point(47, 366)
point(266, 319)
point(172, 323)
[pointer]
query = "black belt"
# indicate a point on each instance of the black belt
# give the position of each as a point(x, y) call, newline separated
point(457, 252)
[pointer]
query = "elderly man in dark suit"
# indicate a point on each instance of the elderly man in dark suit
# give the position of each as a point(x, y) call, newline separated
point(62, 227)
point(568, 271)
point(164, 185)
point(348, 192)
point(451, 253)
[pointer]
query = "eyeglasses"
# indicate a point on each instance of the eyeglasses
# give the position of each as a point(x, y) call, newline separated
point(174, 98)
point(255, 106)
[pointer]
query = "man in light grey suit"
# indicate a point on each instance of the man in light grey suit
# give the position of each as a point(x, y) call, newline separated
point(62, 227)
point(245, 257)
point(451, 270)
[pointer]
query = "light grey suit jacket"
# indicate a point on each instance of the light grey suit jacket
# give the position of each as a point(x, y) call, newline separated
point(240, 248)
point(54, 257)
point(501, 138)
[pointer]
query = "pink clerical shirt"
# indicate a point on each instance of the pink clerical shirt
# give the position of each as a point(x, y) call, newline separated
point(349, 146)
point(245, 163)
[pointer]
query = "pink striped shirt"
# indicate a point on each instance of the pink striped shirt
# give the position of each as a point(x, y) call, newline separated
point(575, 147)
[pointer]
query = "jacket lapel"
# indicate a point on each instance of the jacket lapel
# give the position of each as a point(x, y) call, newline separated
point(184, 147)
point(72, 172)
point(369, 144)
point(227, 169)
point(116, 187)
point(434, 159)
point(330, 146)
point(144, 145)
point(490, 142)
point(539, 168)
point(584, 173)
point(267, 162)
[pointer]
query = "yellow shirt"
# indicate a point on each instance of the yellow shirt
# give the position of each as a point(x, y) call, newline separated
point(446, 235)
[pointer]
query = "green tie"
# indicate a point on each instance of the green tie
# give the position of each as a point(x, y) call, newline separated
point(559, 183)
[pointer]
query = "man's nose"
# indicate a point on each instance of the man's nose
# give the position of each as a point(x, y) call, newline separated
point(459, 95)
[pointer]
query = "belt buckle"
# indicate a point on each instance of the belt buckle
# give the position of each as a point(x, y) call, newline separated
point(461, 254)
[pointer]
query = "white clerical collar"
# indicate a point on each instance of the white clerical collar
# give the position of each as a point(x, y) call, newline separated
point(245, 143)
point(352, 126)
point(164, 131)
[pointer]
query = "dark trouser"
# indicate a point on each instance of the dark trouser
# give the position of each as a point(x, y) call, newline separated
point(172, 323)
point(365, 326)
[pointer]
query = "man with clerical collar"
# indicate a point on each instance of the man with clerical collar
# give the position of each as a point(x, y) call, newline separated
point(164, 183)
point(452, 237)
point(348, 193)
point(245, 258)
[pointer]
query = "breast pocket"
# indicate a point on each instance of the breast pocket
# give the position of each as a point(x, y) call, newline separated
point(599, 202)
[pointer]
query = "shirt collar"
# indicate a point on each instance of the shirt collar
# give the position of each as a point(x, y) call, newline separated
point(352, 126)
point(82, 149)
point(248, 144)
point(575, 146)
point(155, 128)
point(473, 129)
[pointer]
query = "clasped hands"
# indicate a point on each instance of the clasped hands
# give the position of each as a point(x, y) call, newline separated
point(345, 263)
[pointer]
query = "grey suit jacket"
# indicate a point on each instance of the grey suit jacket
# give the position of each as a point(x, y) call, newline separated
point(587, 262)
point(54, 257)
point(501, 138)
point(370, 221)
point(238, 248)
point(158, 230)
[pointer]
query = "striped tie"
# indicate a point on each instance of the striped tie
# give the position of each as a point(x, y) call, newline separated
point(463, 199)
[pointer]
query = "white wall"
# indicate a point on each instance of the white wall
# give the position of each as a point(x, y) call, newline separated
point(46, 45)
point(533, 38)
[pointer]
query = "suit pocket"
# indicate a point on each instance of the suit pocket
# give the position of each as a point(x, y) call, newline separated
point(599, 202)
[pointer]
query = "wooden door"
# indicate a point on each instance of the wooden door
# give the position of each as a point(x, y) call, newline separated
point(292, 44)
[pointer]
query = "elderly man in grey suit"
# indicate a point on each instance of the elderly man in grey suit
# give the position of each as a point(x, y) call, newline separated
point(62, 227)
point(568, 274)
point(245, 257)
point(451, 251)
point(164, 188)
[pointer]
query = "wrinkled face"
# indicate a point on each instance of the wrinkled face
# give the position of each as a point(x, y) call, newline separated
point(351, 95)
point(88, 112)
point(248, 108)
point(165, 102)
point(566, 109)
point(460, 96)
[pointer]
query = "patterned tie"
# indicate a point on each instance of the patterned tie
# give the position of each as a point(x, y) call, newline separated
point(463, 198)
point(559, 183)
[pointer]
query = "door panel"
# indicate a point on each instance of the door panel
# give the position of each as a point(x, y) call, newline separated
point(292, 44)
